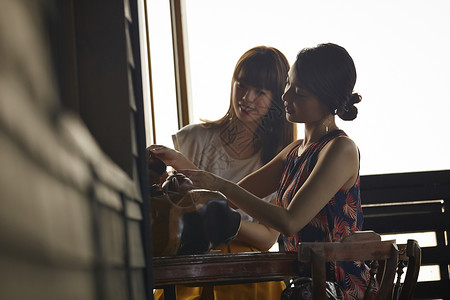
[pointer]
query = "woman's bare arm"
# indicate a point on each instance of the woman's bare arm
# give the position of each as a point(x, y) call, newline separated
point(172, 157)
point(336, 167)
point(266, 179)
point(258, 235)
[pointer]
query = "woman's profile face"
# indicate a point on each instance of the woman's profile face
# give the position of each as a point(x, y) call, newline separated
point(300, 105)
point(249, 102)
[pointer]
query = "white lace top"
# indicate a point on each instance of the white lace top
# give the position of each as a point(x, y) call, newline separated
point(204, 148)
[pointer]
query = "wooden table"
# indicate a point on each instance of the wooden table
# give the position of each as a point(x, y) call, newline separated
point(217, 269)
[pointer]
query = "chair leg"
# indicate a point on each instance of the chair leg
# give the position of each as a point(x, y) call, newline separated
point(318, 275)
point(387, 283)
point(370, 293)
point(170, 292)
point(414, 254)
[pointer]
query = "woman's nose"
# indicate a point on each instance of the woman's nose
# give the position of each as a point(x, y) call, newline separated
point(283, 97)
point(286, 94)
point(250, 95)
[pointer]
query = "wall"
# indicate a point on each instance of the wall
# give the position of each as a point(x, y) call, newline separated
point(73, 219)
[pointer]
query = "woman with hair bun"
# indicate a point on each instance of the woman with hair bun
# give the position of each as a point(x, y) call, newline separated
point(316, 178)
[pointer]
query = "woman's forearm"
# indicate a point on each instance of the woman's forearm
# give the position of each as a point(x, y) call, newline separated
point(257, 235)
point(274, 216)
point(279, 218)
point(172, 158)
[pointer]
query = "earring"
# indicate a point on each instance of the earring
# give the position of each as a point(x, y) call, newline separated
point(327, 125)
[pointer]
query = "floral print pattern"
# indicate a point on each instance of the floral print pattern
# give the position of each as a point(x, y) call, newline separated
point(341, 216)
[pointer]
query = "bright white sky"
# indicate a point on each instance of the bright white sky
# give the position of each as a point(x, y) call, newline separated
point(400, 48)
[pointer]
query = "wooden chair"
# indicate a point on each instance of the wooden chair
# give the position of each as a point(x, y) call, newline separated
point(410, 256)
point(388, 259)
point(363, 245)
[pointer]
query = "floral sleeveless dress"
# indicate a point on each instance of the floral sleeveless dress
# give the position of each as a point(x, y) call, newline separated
point(341, 216)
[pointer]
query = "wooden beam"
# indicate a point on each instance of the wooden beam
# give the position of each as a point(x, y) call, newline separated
point(179, 63)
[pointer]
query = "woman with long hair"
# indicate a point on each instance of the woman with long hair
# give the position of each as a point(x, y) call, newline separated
point(249, 135)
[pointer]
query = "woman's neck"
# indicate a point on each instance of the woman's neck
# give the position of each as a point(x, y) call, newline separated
point(238, 139)
point(315, 131)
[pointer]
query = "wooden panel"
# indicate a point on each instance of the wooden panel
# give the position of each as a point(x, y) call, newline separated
point(111, 237)
point(410, 208)
point(41, 215)
point(405, 187)
point(135, 245)
point(114, 284)
point(133, 210)
point(24, 279)
point(432, 290)
point(223, 268)
point(407, 223)
point(26, 67)
point(103, 76)
point(64, 42)
point(436, 255)
point(415, 193)
point(406, 179)
point(138, 284)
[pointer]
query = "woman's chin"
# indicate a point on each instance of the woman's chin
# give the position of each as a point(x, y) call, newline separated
point(291, 118)
point(248, 118)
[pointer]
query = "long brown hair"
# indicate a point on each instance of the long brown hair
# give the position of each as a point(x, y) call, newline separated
point(265, 68)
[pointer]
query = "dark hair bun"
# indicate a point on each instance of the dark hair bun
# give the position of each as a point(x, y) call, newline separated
point(350, 111)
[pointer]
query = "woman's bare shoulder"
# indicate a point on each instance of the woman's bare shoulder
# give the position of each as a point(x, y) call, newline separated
point(289, 147)
point(342, 146)
point(344, 143)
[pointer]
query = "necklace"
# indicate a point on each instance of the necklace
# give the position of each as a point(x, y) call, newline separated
point(303, 147)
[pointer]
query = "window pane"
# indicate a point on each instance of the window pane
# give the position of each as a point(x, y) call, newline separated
point(400, 49)
point(425, 239)
point(162, 71)
point(145, 73)
point(429, 273)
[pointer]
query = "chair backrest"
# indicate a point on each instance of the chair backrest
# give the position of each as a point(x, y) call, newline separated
point(410, 256)
point(362, 245)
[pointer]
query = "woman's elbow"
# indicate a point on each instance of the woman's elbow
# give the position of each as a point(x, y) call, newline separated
point(267, 243)
point(289, 228)
point(265, 247)
point(289, 232)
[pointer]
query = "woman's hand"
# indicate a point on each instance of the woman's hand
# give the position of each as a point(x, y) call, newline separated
point(204, 180)
point(171, 157)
